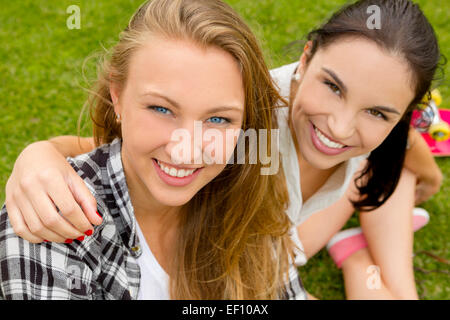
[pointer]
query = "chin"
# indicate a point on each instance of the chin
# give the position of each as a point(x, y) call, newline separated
point(320, 161)
point(174, 199)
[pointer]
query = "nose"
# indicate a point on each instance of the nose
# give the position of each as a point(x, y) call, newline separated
point(185, 145)
point(342, 124)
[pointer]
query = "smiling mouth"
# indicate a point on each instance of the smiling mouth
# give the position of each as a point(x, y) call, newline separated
point(175, 172)
point(327, 142)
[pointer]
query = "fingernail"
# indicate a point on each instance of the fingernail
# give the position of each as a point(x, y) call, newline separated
point(68, 241)
point(88, 233)
point(46, 240)
point(80, 238)
point(98, 214)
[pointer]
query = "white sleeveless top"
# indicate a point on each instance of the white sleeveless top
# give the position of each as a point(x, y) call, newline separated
point(154, 280)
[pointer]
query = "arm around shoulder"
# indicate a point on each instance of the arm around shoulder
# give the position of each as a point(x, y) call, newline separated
point(72, 146)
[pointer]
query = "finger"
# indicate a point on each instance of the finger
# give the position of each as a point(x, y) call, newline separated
point(53, 220)
point(84, 198)
point(70, 211)
point(18, 223)
point(33, 221)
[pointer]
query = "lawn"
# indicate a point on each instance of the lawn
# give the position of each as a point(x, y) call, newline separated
point(41, 90)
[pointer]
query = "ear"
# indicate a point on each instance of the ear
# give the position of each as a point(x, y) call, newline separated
point(305, 57)
point(114, 92)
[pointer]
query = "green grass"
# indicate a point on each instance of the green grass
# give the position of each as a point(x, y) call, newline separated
point(41, 95)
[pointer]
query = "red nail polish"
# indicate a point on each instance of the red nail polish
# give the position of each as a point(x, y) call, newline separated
point(98, 214)
point(46, 240)
point(68, 241)
point(88, 233)
point(80, 238)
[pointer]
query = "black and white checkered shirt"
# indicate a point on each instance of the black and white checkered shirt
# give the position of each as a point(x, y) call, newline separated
point(104, 265)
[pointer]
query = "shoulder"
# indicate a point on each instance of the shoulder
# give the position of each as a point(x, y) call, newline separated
point(41, 270)
point(89, 166)
point(100, 169)
point(282, 78)
point(60, 270)
point(95, 169)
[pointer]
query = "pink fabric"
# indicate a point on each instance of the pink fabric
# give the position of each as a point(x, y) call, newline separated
point(346, 247)
point(419, 222)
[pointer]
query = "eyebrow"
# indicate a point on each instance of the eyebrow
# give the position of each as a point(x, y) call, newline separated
point(387, 109)
point(177, 105)
point(336, 78)
point(344, 88)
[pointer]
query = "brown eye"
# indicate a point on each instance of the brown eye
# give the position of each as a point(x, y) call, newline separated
point(376, 113)
point(333, 87)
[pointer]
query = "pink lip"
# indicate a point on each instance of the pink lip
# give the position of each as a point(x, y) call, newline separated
point(177, 166)
point(323, 148)
point(175, 181)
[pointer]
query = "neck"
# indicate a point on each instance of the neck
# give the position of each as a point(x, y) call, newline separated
point(312, 178)
point(155, 216)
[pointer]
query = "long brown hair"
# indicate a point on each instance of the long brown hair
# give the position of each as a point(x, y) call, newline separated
point(233, 240)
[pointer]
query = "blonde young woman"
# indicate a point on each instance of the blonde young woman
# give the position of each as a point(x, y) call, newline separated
point(326, 133)
point(177, 62)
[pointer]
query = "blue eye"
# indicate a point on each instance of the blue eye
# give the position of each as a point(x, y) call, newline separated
point(218, 120)
point(160, 109)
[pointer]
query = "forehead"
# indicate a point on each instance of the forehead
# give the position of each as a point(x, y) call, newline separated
point(378, 76)
point(186, 72)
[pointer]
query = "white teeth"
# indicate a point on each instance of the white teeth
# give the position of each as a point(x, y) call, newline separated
point(174, 172)
point(326, 141)
point(181, 173)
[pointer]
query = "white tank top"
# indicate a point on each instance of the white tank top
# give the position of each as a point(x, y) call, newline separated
point(154, 284)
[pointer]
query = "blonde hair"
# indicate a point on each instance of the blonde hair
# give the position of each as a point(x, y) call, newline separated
point(233, 240)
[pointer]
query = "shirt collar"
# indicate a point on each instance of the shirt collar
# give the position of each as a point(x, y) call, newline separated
point(117, 179)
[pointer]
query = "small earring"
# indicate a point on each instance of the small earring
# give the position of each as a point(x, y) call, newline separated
point(118, 118)
point(296, 76)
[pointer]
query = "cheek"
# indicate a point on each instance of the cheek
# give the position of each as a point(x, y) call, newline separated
point(373, 135)
point(211, 172)
point(305, 108)
point(144, 131)
point(219, 145)
point(309, 99)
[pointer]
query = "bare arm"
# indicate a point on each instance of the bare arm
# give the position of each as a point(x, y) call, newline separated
point(420, 161)
point(42, 181)
point(72, 146)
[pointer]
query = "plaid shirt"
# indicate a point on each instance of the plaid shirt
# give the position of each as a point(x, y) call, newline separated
point(104, 265)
